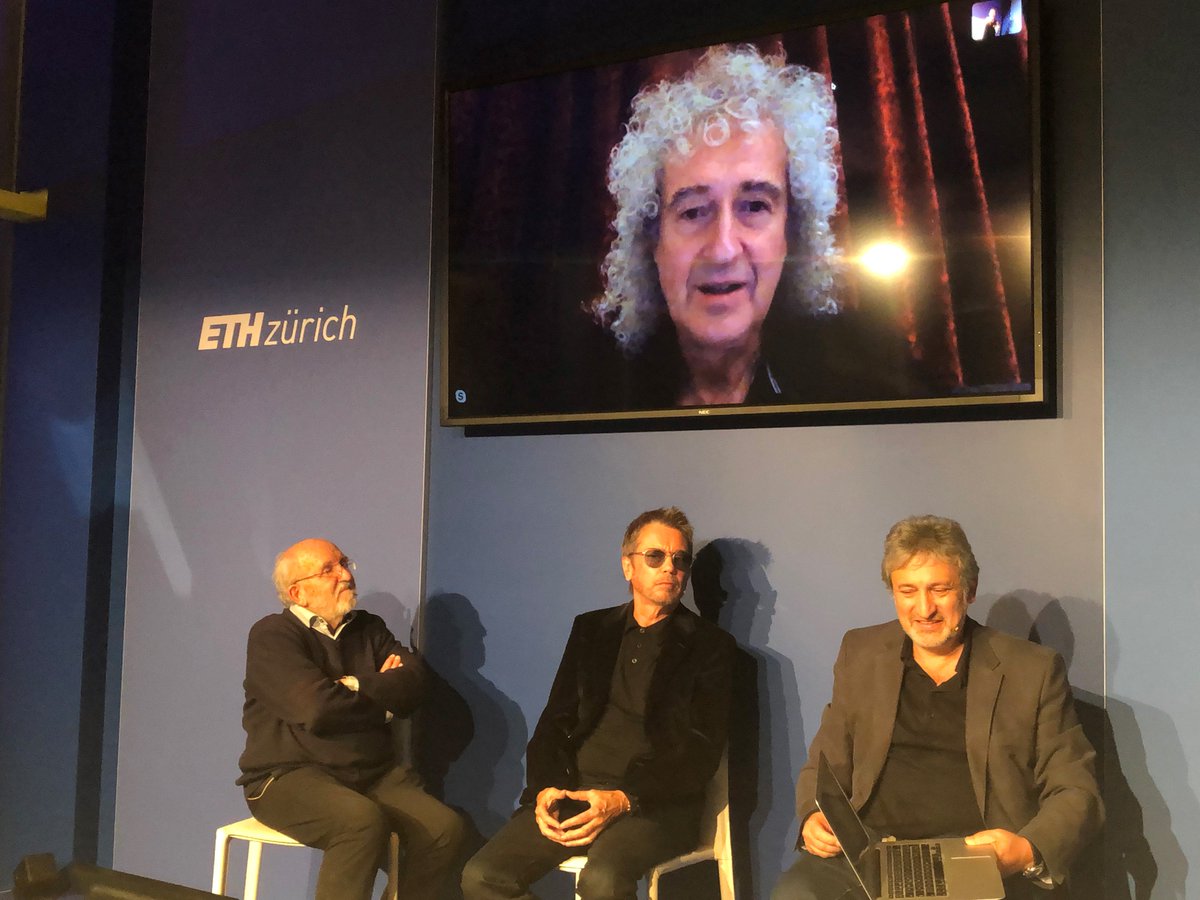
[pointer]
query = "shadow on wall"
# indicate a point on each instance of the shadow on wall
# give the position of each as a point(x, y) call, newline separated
point(470, 737)
point(730, 586)
point(397, 616)
point(1120, 864)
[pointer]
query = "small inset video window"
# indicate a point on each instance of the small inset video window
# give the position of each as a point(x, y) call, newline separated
point(996, 18)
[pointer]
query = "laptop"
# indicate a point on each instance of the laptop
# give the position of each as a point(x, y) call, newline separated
point(944, 868)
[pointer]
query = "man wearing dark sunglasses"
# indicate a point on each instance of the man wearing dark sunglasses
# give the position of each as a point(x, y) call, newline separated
point(323, 680)
point(632, 733)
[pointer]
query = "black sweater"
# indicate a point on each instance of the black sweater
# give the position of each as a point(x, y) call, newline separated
point(297, 714)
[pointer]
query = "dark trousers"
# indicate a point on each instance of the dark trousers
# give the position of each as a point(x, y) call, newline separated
point(352, 826)
point(817, 878)
point(621, 854)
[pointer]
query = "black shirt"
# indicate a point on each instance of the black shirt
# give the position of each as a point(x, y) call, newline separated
point(620, 735)
point(925, 788)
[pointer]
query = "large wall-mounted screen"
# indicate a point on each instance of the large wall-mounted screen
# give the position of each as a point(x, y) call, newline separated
point(841, 221)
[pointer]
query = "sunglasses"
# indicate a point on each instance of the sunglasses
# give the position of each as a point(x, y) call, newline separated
point(680, 559)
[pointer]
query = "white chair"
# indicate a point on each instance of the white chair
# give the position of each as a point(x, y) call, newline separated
point(255, 833)
point(714, 841)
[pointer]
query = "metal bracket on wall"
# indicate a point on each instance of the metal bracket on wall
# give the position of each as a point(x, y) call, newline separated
point(15, 206)
point(23, 206)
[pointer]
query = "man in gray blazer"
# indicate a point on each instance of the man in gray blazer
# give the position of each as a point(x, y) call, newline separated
point(940, 726)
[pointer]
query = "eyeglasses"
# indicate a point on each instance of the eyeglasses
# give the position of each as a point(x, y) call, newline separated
point(680, 559)
point(345, 562)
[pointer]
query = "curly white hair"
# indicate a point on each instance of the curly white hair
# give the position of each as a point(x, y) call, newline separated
point(729, 87)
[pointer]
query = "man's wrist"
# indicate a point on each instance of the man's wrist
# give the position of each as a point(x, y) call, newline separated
point(1036, 870)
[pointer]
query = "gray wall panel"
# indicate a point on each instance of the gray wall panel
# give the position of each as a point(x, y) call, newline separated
point(1152, 428)
point(525, 531)
point(260, 205)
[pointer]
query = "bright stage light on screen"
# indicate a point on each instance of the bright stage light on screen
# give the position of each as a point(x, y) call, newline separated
point(884, 259)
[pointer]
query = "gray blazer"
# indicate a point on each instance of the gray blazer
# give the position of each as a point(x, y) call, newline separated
point(1032, 769)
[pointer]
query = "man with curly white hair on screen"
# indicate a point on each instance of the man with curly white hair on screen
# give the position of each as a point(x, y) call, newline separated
point(725, 184)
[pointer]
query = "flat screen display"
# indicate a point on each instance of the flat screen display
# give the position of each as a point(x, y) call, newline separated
point(839, 219)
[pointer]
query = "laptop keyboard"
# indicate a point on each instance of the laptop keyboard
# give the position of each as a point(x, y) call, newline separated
point(915, 870)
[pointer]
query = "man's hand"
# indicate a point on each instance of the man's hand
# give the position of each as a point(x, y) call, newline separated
point(818, 838)
point(581, 829)
point(392, 662)
point(603, 806)
point(1013, 852)
point(544, 812)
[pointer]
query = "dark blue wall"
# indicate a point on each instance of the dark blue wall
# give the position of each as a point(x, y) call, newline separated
point(50, 416)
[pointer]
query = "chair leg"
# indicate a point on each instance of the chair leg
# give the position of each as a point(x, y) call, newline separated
point(220, 862)
point(392, 891)
point(253, 864)
point(725, 876)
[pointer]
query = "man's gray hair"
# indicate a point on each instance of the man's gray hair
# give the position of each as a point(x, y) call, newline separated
point(281, 576)
point(935, 536)
point(730, 87)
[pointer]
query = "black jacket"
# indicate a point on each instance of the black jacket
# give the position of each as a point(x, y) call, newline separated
point(687, 709)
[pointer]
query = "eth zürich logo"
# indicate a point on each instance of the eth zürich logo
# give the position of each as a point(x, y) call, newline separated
point(253, 330)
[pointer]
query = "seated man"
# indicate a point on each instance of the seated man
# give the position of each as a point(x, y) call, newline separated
point(323, 681)
point(941, 727)
point(630, 738)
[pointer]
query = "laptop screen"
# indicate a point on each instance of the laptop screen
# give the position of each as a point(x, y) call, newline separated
point(856, 842)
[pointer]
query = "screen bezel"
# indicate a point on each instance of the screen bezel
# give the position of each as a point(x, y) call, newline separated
point(1039, 402)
